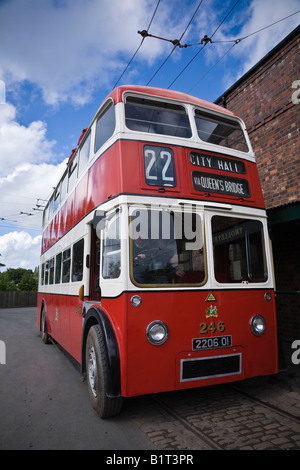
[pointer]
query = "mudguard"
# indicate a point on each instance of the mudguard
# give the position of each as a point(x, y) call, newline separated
point(97, 316)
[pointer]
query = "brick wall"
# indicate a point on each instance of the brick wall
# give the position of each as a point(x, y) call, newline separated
point(264, 101)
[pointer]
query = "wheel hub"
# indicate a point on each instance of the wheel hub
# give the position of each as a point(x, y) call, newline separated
point(92, 370)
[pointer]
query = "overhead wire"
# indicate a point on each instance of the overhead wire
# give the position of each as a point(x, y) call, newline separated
point(176, 42)
point(206, 41)
point(15, 216)
point(237, 41)
point(143, 38)
point(265, 27)
point(21, 227)
point(211, 68)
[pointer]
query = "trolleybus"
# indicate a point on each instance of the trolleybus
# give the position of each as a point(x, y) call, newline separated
point(156, 267)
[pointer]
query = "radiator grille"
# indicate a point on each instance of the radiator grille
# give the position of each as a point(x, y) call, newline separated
point(209, 367)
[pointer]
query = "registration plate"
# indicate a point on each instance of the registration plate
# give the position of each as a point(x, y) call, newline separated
point(212, 342)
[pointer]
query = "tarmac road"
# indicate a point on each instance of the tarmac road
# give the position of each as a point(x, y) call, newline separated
point(43, 402)
point(45, 405)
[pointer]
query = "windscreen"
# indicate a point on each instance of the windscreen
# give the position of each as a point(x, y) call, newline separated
point(166, 248)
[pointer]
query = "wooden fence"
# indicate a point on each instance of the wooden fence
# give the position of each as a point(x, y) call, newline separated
point(18, 299)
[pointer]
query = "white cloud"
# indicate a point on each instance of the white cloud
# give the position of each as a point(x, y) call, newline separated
point(69, 49)
point(27, 163)
point(26, 174)
point(19, 144)
point(20, 250)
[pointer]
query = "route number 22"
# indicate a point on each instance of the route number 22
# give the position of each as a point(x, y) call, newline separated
point(159, 166)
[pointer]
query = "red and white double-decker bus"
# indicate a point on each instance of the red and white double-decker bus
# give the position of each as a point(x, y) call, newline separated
point(156, 268)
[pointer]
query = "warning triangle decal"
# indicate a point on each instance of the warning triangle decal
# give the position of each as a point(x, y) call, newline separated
point(211, 297)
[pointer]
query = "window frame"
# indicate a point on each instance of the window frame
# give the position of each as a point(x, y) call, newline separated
point(108, 106)
point(218, 119)
point(186, 252)
point(235, 264)
point(66, 262)
point(51, 271)
point(159, 103)
point(57, 279)
point(115, 216)
point(77, 260)
point(73, 172)
point(86, 142)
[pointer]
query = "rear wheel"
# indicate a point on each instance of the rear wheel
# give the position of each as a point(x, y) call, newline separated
point(97, 369)
point(44, 334)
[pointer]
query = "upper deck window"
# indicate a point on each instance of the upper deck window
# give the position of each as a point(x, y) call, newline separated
point(73, 169)
point(219, 131)
point(157, 117)
point(105, 127)
point(84, 154)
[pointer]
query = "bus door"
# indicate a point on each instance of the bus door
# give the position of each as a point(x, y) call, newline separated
point(109, 226)
point(94, 288)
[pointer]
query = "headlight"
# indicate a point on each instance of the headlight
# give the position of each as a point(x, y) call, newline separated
point(157, 332)
point(258, 325)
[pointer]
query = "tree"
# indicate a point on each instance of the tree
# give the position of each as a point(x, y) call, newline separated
point(18, 279)
point(28, 281)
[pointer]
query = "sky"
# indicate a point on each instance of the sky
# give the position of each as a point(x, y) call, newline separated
point(59, 59)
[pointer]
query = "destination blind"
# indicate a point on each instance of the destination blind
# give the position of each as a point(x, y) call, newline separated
point(210, 182)
point(217, 163)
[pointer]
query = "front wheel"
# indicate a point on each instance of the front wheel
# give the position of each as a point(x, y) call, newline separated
point(97, 369)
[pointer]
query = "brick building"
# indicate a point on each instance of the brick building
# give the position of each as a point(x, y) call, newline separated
point(265, 100)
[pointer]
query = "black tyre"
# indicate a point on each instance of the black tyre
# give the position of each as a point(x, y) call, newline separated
point(44, 333)
point(97, 371)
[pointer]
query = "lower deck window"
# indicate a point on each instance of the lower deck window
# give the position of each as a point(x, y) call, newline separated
point(238, 249)
point(77, 264)
point(111, 258)
point(58, 268)
point(66, 265)
point(51, 271)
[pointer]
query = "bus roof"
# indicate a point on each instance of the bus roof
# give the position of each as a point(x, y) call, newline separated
point(117, 96)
